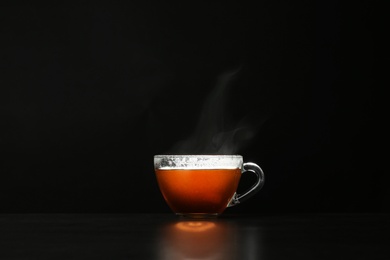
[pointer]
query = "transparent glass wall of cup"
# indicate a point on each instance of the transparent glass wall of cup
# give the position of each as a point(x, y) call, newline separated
point(203, 185)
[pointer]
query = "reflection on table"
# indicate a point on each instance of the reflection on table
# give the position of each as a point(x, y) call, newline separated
point(206, 240)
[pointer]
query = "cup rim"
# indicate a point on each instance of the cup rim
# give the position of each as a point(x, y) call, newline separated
point(197, 155)
point(198, 161)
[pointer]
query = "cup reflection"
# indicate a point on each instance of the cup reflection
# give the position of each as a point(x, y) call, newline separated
point(198, 240)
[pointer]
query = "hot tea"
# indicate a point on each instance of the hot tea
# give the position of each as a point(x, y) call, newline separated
point(188, 190)
point(203, 185)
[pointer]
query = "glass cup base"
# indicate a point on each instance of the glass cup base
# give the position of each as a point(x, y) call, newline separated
point(198, 215)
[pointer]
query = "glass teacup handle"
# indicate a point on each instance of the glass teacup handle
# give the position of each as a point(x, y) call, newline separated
point(254, 168)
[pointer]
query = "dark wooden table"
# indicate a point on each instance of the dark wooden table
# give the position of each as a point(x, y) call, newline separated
point(165, 236)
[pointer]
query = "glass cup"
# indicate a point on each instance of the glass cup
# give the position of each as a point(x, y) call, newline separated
point(203, 185)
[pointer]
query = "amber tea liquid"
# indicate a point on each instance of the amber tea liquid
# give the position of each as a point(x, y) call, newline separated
point(198, 190)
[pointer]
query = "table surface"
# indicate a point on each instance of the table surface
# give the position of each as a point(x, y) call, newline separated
point(166, 236)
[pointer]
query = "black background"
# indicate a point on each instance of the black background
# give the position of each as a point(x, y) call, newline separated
point(91, 90)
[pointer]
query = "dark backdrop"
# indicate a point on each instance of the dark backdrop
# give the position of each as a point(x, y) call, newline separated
point(91, 90)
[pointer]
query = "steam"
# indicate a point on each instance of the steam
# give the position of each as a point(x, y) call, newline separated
point(213, 134)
